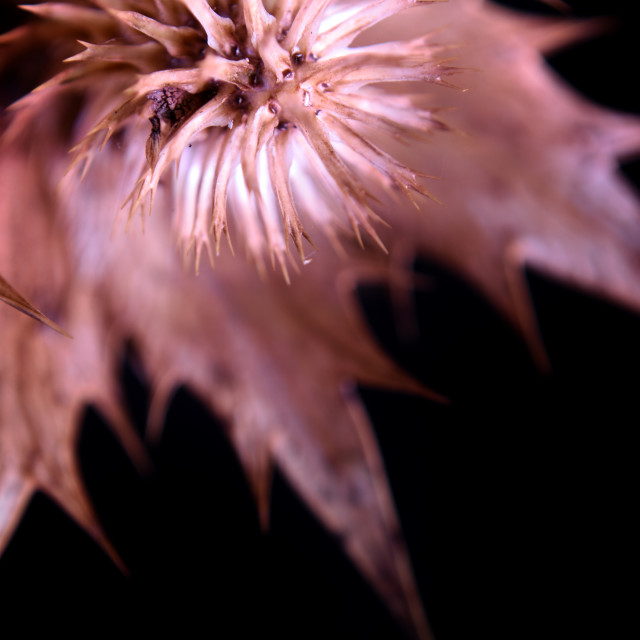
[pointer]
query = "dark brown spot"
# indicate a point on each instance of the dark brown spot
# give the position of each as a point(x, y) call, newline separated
point(172, 104)
point(256, 77)
point(209, 93)
point(155, 126)
point(152, 148)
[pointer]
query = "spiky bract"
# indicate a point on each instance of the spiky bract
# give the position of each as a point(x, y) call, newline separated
point(267, 109)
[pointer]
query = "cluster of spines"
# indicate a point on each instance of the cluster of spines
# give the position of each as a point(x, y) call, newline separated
point(259, 91)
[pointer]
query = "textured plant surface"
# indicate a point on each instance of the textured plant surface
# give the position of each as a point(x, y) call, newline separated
point(288, 131)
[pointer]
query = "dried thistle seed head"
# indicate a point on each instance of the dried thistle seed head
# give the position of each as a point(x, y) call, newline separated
point(277, 110)
point(258, 92)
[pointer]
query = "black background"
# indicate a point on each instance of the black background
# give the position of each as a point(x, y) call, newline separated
point(515, 500)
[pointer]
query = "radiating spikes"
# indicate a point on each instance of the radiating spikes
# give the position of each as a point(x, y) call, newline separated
point(237, 72)
point(348, 189)
point(201, 240)
point(343, 33)
point(226, 162)
point(257, 19)
point(262, 26)
point(111, 122)
point(188, 179)
point(397, 128)
point(360, 216)
point(9, 295)
point(318, 140)
point(259, 129)
point(194, 200)
point(304, 28)
point(208, 160)
point(391, 72)
point(209, 115)
point(276, 60)
point(178, 41)
point(85, 17)
point(190, 80)
point(316, 103)
point(248, 216)
point(398, 115)
point(271, 218)
point(394, 170)
point(142, 56)
point(422, 48)
point(367, 65)
point(220, 31)
point(279, 169)
point(67, 77)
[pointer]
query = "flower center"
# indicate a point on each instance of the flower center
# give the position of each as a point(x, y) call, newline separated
point(269, 113)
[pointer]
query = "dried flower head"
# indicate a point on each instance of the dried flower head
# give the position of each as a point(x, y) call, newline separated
point(272, 116)
point(267, 110)
point(281, 118)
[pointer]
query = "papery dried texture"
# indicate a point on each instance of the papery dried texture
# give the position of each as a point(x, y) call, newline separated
point(240, 100)
point(238, 341)
point(48, 378)
point(533, 181)
point(276, 362)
